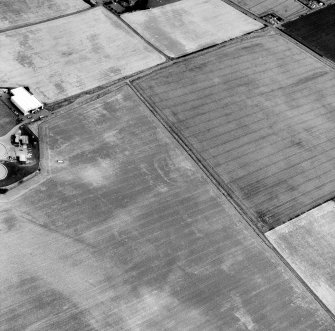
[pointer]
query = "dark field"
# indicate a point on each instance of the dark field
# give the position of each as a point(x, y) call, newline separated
point(260, 114)
point(127, 234)
point(7, 118)
point(158, 3)
point(316, 31)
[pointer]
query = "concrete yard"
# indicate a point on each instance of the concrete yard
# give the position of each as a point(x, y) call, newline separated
point(21, 12)
point(128, 234)
point(186, 26)
point(308, 244)
point(260, 115)
point(288, 9)
point(70, 55)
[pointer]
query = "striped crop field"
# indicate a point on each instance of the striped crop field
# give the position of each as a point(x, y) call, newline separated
point(20, 12)
point(186, 26)
point(286, 9)
point(66, 56)
point(128, 234)
point(260, 114)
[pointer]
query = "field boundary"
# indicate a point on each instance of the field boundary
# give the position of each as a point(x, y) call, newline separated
point(224, 190)
point(21, 26)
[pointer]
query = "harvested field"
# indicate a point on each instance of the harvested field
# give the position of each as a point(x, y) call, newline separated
point(260, 114)
point(308, 244)
point(73, 54)
point(316, 31)
point(21, 12)
point(128, 234)
point(287, 9)
point(190, 25)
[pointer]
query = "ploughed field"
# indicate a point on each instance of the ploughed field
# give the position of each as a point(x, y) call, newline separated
point(20, 12)
point(259, 114)
point(127, 233)
point(315, 31)
point(66, 56)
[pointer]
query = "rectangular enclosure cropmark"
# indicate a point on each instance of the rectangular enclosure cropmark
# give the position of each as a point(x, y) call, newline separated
point(186, 26)
point(308, 244)
point(129, 234)
point(21, 12)
point(260, 113)
point(70, 55)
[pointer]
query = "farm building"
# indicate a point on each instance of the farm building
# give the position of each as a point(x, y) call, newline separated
point(24, 100)
point(76, 53)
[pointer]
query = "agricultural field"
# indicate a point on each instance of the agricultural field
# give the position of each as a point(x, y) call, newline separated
point(128, 234)
point(307, 243)
point(63, 57)
point(287, 9)
point(8, 119)
point(316, 31)
point(259, 113)
point(186, 26)
point(157, 3)
point(20, 12)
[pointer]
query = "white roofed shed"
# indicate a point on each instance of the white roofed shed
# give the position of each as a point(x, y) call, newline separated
point(25, 101)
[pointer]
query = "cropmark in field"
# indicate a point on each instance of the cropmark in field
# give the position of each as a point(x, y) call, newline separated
point(21, 12)
point(260, 115)
point(70, 55)
point(308, 244)
point(128, 234)
point(186, 26)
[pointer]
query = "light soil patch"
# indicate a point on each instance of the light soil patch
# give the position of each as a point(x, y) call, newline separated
point(20, 12)
point(127, 234)
point(190, 25)
point(308, 244)
point(66, 56)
